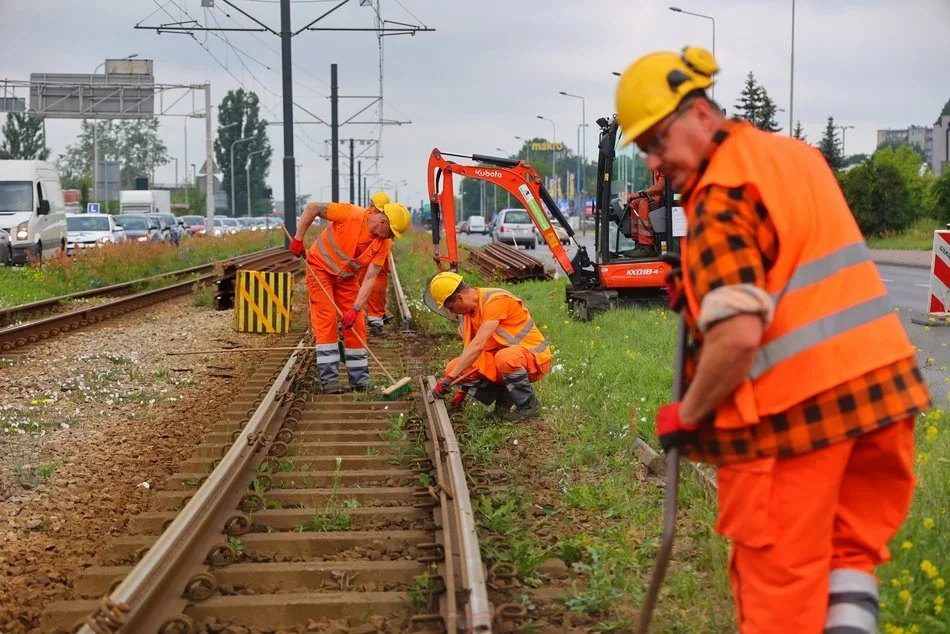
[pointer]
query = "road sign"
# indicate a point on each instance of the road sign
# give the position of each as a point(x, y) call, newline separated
point(92, 208)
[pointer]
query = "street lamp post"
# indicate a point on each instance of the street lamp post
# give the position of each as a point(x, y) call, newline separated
point(581, 166)
point(247, 177)
point(791, 77)
point(553, 150)
point(507, 194)
point(527, 148)
point(95, 142)
point(844, 129)
point(711, 19)
point(247, 138)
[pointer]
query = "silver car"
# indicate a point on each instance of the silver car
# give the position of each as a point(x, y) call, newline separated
point(514, 227)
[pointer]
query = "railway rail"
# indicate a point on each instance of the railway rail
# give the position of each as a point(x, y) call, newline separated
point(42, 328)
point(300, 510)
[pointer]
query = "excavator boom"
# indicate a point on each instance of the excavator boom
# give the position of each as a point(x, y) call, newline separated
point(516, 177)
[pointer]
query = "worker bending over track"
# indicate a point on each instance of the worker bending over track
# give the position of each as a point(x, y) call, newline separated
point(802, 384)
point(356, 241)
point(376, 302)
point(504, 352)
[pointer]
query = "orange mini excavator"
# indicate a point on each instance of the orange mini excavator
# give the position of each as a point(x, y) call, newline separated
point(616, 278)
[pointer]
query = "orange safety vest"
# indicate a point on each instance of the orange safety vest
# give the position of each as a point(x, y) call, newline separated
point(514, 331)
point(833, 320)
point(335, 248)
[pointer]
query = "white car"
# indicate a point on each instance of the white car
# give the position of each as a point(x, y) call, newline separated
point(32, 210)
point(514, 227)
point(86, 231)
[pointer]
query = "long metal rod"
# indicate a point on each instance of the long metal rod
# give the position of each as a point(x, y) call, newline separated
point(478, 611)
point(328, 12)
point(791, 79)
point(401, 302)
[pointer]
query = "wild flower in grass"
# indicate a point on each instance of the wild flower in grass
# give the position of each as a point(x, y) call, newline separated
point(931, 434)
point(927, 567)
point(896, 582)
point(938, 604)
point(907, 545)
point(904, 595)
point(928, 522)
point(939, 583)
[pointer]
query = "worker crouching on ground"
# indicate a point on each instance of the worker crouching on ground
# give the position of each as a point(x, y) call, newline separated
point(802, 384)
point(503, 354)
point(356, 241)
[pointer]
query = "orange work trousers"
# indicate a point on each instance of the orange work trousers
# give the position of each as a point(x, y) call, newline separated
point(795, 523)
point(324, 319)
point(494, 365)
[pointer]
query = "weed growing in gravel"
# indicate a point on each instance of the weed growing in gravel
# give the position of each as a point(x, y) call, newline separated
point(421, 594)
point(503, 515)
point(326, 520)
point(30, 476)
point(371, 451)
point(236, 543)
point(202, 295)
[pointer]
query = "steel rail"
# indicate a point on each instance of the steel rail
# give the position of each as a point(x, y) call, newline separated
point(453, 491)
point(404, 313)
point(154, 594)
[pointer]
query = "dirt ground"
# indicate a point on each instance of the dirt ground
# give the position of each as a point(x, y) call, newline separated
point(90, 424)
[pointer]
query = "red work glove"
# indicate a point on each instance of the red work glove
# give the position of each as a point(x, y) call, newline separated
point(296, 247)
point(443, 386)
point(671, 430)
point(349, 317)
point(457, 399)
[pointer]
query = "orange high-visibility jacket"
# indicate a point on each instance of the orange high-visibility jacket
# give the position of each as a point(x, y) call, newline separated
point(515, 329)
point(337, 248)
point(833, 321)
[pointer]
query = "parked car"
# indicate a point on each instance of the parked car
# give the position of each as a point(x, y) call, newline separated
point(174, 224)
point(163, 229)
point(232, 225)
point(194, 225)
point(247, 223)
point(461, 226)
point(87, 231)
point(514, 227)
point(139, 227)
point(476, 224)
point(220, 229)
point(32, 210)
point(6, 249)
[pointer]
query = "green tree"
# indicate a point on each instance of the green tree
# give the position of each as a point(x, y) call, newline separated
point(85, 187)
point(945, 111)
point(799, 132)
point(897, 145)
point(750, 100)
point(878, 197)
point(907, 161)
point(243, 108)
point(193, 197)
point(830, 146)
point(940, 194)
point(135, 144)
point(767, 120)
point(854, 159)
point(23, 138)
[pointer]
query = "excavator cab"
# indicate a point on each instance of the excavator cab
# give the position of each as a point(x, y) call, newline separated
point(626, 273)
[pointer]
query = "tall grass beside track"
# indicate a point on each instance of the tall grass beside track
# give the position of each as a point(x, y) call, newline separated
point(117, 263)
point(601, 370)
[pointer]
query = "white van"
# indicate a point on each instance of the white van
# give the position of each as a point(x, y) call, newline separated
point(476, 224)
point(32, 209)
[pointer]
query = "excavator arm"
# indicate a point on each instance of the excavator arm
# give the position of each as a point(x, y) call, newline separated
point(516, 177)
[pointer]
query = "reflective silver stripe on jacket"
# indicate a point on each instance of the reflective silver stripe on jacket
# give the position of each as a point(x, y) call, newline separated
point(517, 338)
point(350, 262)
point(825, 267)
point(804, 337)
point(336, 248)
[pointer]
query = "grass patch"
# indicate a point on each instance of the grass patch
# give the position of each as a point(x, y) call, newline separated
point(919, 237)
point(31, 476)
point(914, 584)
point(422, 594)
point(119, 263)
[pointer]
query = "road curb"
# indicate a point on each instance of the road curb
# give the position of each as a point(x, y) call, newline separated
point(906, 265)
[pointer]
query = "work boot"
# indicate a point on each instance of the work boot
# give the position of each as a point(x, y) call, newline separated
point(359, 388)
point(503, 404)
point(523, 412)
point(386, 319)
point(333, 387)
point(376, 330)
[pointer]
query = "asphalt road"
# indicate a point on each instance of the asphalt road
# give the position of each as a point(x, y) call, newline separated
point(906, 286)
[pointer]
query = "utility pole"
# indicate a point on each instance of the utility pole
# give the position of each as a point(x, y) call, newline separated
point(359, 183)
point(334, 135)
point(352, 184)
point(290, 192)
point(209, 163)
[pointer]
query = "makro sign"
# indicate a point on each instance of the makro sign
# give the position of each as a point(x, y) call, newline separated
point(547, 147)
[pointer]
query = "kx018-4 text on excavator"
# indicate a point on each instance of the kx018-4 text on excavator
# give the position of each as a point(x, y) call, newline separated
point(619, 274)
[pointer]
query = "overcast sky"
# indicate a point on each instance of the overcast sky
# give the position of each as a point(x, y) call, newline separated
point(491, 66)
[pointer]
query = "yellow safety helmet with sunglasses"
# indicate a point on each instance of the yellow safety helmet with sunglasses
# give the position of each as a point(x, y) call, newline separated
point(652, 87)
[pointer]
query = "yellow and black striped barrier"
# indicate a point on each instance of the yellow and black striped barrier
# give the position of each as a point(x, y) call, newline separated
point(262, 302)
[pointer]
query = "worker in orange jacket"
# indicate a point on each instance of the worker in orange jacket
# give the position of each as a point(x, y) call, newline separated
point(802, 385)
point(504, 352)
point(376, 303)
point(356, 240)
point(641, 205)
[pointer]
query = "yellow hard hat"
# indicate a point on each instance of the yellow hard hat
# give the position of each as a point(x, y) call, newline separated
point(443, 285)
point(398, 217)
point(652, 87)
point(380, 200)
